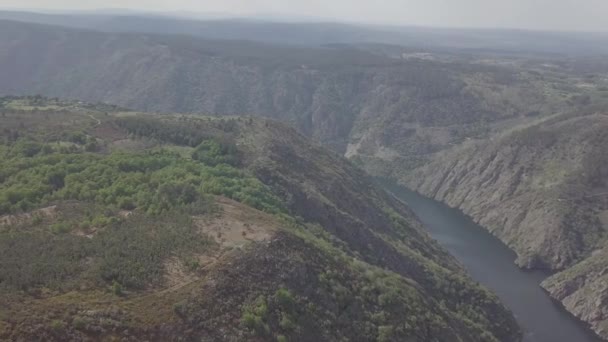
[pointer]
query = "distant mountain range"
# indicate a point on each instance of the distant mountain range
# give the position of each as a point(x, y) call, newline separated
point(310, 31)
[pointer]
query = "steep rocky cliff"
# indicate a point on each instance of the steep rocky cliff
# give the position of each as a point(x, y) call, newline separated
point(583, 290)
point(537, 188)
point(543, 190)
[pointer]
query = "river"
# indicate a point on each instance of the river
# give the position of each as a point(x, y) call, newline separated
point(491, 263)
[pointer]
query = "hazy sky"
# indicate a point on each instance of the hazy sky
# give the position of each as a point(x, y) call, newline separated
point(580, 15)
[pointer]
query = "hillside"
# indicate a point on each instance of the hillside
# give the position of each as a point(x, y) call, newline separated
point(355, 101)
point(316, 33)
point(118, 224)
point(513, 141)
point(543, 190)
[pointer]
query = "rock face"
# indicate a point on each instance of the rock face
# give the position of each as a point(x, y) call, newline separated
point(543, 190)
point(539, 189)
point(583, 290)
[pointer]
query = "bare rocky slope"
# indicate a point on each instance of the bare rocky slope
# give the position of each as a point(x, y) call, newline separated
point(543, 190)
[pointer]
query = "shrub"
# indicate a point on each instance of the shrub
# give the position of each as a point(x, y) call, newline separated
point(57, 325)
point(251, 321)
point(287, 323)
point(26, 148)
point(91, 146)
point(254, 316)
point(260, 307)
point(192, 264)
point(213, 153)
point(126, 204)
point(180, 308)
point(285, 299)
point(37, 219)
point(117, 288)
point(79, 322)
point(385, 333)
point(60, 228)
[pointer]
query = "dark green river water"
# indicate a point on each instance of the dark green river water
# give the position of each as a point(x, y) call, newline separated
point(491, 263)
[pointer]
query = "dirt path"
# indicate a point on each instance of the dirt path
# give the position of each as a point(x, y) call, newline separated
point(96, 119)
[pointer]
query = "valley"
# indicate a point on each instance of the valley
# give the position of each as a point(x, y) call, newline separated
point(124, 225)
point(513, 138)
point(491, 263)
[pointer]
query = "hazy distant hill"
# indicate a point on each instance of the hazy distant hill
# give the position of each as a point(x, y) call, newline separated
point(322, 33)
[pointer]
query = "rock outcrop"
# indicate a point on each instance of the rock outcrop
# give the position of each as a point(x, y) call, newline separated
point(543, 190)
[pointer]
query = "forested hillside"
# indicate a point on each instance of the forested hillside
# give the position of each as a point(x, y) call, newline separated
point(121, 225)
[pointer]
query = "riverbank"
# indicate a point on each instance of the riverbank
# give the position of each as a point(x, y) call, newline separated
point(491, 262)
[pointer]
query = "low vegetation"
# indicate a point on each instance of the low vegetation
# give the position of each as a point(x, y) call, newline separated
point(36, 174)
point(93, 242)
point(120, 224)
